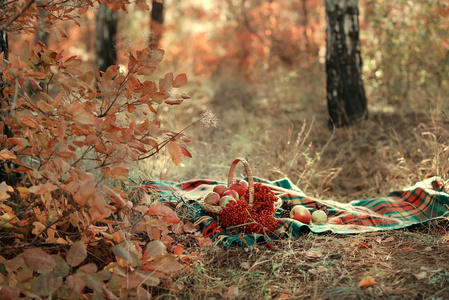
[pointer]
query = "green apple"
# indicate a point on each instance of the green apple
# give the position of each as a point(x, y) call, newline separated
point(319, 217)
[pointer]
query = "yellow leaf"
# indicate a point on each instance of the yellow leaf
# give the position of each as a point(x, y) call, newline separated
point(5, 220)
point(175, 152)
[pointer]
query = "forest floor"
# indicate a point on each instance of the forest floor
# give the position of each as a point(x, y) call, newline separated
point(281, 128)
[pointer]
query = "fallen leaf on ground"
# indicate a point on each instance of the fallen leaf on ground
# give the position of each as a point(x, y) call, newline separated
point(420, 275)
point(232, 292)
point(189, 228)
point(312, 255)
point(365, 245)
point(245, 265)
point(205, 242)
point(367, 281)
point(388, 239)
point(408, 249)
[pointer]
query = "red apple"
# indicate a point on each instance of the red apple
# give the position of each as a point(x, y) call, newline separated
point(212, 198)
point(301, 214)
point(220, 189)
point(319, 217)
point(232, 193)
point(225, 200)
point(240, 186)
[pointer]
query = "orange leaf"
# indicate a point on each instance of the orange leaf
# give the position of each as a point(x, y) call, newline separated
point(163, 211)
point(84, 192)
point(44, 106)
point(43, 188)
point(77, 254)
point(368, 280)
point(175, 152)
point(113, 196)
point(180, 80)
point(5, 154)
point(178, 249)
point(408, 249)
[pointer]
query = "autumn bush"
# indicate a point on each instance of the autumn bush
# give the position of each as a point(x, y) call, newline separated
point(66, 226)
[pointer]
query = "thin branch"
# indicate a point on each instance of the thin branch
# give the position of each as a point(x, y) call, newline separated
point(13, 19)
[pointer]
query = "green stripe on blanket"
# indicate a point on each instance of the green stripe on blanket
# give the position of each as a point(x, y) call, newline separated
point(413, 206)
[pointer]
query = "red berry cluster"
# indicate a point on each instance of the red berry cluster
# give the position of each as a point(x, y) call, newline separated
point(264, 198)
point(253, 219)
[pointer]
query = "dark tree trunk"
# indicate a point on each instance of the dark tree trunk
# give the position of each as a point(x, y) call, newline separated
point(156, 23)
point(5, 175)
point(345, 92)
point(105, 41)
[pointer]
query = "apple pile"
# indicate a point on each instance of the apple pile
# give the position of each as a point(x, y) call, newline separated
point(221, 195)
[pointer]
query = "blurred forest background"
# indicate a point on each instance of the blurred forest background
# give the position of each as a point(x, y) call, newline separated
point(259, 66)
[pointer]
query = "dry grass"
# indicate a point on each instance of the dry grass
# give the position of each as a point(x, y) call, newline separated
point(280, 126)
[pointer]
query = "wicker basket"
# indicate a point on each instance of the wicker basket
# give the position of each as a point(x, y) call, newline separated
point(215, 209)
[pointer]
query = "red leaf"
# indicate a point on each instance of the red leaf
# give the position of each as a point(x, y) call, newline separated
point(173, 102)
point(185, 151)
point(180, 80)
point(37, 259)
point(77, 254)
point(365, 245)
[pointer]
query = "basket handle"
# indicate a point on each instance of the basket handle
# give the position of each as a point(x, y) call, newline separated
point(248, 173)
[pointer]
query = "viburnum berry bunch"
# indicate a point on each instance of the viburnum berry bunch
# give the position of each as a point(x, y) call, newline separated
point(258, 218)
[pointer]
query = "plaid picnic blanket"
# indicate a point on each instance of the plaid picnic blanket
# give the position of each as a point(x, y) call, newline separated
point(409, 207)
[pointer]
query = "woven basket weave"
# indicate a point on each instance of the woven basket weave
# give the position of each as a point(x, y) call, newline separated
point(215, 209)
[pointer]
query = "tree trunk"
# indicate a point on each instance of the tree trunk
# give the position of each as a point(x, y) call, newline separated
point(156, 22)
point(105, 41)
point(345, 92)
point(42, 33)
